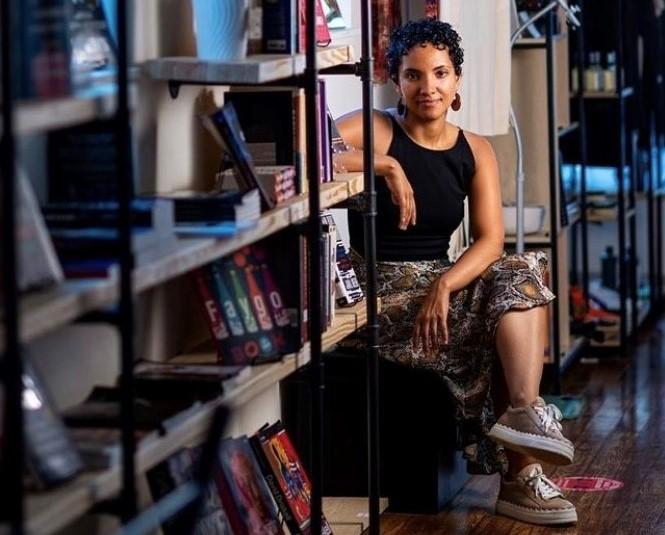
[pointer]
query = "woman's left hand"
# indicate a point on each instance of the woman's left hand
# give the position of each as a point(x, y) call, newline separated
point(431, 329)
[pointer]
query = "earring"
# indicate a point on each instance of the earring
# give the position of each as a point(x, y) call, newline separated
point(401, 108)
point(457, 102)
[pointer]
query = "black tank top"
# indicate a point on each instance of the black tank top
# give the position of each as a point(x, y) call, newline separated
point(440, 180)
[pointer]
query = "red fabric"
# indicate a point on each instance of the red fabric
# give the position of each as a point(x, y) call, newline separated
point(386, 16)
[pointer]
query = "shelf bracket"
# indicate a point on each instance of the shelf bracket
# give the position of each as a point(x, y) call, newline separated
point(174, 88)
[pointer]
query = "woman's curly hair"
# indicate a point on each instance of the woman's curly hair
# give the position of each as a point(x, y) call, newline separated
point(420, 32)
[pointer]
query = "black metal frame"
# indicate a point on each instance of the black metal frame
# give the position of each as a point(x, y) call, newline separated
point(12, 365)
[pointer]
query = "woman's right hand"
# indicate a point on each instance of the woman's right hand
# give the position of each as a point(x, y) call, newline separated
point(401, 194)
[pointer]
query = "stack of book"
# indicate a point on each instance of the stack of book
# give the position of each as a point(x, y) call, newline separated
point(86, 238)
point(244, 308)
point(259, 484)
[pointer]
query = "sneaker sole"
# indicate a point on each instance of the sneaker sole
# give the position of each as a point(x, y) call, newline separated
point(534, 516)
point(544, 449)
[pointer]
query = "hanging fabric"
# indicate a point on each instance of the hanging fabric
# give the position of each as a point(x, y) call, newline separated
point(432, 9)
point(386, 16)
point(484, 26)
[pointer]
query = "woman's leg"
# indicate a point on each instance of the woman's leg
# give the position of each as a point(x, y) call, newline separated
point(520, 342)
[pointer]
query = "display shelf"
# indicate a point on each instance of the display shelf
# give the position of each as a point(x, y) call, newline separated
point(49, 512)
point(625, 92)
point(536, 42)
point(254, 69)
point(537, 238)
point(565, 130)
point(33, 116)
point(349, 516)
point(47, 310)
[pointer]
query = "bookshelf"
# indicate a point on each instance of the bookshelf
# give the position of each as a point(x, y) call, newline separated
point(45, 311)
point(52, 308)
point(50, 511)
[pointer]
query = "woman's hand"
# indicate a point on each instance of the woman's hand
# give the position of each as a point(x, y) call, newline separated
point(402, 195)
point(431, 329)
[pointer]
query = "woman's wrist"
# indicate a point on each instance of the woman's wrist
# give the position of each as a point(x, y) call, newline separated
point(444, 283)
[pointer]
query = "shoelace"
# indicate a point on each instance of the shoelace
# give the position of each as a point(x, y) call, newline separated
point(542, 486)
point(550, 416)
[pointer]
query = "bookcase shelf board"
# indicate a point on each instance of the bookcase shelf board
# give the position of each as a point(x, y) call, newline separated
point(625, 93)
point(47, 310)
point(50, 511)
point(41, 115)
point(537, 42)
point(254, 69)
point(349, 516)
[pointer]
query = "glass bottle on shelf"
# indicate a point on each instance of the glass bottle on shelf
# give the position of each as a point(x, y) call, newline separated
point(593, 73)
point(610, 73)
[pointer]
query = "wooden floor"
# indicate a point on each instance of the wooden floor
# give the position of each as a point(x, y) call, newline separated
point(620, 435)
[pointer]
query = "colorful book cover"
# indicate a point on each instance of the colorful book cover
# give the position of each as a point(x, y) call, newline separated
point(173, 472)
point(290, 484)
point(247, 488)
point(245, 262)
point(236, 282)
point(242, 349)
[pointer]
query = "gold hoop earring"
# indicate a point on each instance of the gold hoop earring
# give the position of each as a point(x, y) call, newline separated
point(457, 102)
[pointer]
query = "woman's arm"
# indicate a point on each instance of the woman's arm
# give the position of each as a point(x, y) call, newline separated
point(350, 127)
point(486, 219)
point(431, 328)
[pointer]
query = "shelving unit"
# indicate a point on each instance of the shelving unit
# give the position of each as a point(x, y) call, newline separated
point(45, 311)
point(540, 96)
point(50, 511)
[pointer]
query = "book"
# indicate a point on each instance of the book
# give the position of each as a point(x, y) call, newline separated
point(215, 206)
point(322, 32)
point(42, 52)
point(236, 280)
point(246, 488)
point(286, 478)
point(279, 181)
point(280, 26)
point(51, 457)
point(175, 471)
point(82, 163)
point(38, 265)
point(226, 129)
point(90, 40)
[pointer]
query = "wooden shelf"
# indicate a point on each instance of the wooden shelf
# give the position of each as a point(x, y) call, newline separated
point(255, 69)
point(536, 42)
point(539, 238)
point(33, 116)
point(625, 92)
point(349, 516)
point(47, 310)
point(50, 511)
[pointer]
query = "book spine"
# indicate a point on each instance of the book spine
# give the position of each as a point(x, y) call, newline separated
point(228, 502)
point(280, 26)
point(280, 498)
point(235, 279)
point(241, 349)
point(218, 328)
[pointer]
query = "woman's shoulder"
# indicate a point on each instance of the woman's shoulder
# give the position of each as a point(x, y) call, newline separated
point(480, 146)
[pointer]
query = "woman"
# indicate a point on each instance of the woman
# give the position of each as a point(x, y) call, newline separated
point(456, 318)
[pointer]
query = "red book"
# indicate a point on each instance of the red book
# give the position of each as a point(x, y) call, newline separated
point(322, 32)
point(286, 478)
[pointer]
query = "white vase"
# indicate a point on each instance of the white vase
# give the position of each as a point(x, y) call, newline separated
point(220, 27)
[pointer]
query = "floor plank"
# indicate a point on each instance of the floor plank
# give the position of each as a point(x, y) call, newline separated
point(619, 435)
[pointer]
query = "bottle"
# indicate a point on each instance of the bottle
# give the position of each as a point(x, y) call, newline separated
point(608, 268)
point(610, 73)
point(592, 74)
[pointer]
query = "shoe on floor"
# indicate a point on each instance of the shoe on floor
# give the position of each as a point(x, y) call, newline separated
point(534, 430)
point(533, 498)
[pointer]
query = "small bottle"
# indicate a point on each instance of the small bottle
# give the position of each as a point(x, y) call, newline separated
point(608, 268)
point(592, 74)
point(610, 73)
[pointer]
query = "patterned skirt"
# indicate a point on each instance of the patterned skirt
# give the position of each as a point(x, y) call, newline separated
point(466, 364)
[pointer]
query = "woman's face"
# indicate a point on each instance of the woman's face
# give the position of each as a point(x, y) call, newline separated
point(427, 81)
